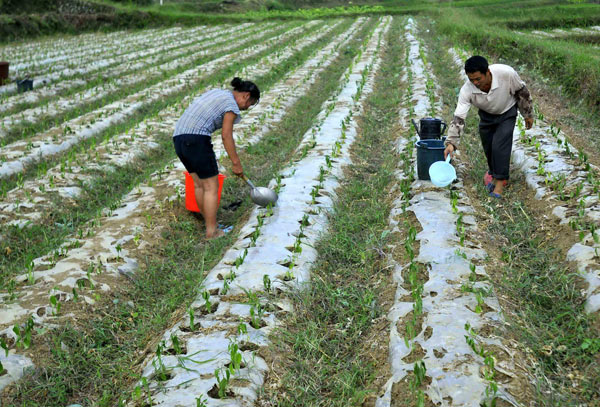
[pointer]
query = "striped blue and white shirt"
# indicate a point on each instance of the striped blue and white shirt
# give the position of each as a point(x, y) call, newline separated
point(205, 114)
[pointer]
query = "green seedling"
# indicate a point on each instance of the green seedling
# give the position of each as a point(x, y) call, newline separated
point(410, 332)
point(191, 315)
point(267, 282)
point(225, 287)
point(55, 303)
point(176, 345)
point(30, 274)
point(256, 313)
point(157, 363)
point(4, 346)
point(409, 249)
point(480, 303)
point(297, 246)
point(236, 357)
point(473, 275)
point(207, 303)
point(222, 382)
point(23, 335)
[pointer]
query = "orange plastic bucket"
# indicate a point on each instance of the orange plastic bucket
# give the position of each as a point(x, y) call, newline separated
point(190, 196)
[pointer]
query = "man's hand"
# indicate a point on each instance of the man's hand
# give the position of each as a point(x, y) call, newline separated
point(449, 150)
point(528, 123)
point(237, 169)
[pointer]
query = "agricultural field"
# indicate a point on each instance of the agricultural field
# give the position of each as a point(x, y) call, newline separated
point(363, 285)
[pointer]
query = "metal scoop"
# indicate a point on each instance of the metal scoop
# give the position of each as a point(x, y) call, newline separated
point(260, 195)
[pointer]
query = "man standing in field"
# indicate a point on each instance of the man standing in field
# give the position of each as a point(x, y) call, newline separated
point(497, 90)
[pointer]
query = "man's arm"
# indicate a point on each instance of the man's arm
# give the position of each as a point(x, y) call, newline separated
point(455, 130)
point(525, 105)
point(229, 144)
point(457, 125)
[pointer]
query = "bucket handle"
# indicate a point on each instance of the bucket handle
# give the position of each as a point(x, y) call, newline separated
point(416, 127)
point(443, 128)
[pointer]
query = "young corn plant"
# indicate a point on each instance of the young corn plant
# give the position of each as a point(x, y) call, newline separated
point(207, 303)
point(161, 370)
point(56, 305)
point(223, 377)
point(191, 315)
point(23, 334)
point(488, 369)
point(415, 385)
point(236, 357)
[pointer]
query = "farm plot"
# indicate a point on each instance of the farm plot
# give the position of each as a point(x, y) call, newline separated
point(446, 324)
point(29, 201)
point(63, 268)
point(83, 55)
point(112, 310)
point(99, 69)
point(117, 153)
point(135, 202)
point(126, 90)
point(562, 33)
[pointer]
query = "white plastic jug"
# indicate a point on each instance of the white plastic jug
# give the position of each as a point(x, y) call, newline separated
point(442, 173)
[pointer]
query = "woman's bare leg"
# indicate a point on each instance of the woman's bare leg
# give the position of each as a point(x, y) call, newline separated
point(210, 187)
point(198, 192)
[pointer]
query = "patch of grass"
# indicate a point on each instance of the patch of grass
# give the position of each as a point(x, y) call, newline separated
point(546, 306)
point(101, 362)
point(328, 339)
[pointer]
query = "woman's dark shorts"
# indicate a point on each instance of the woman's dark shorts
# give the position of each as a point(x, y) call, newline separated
point(197, 154)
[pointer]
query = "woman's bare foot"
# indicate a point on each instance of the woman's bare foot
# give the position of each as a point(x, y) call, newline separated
point(218, 233)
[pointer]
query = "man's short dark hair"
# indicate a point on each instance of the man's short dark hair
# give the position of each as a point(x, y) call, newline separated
point(476, 64)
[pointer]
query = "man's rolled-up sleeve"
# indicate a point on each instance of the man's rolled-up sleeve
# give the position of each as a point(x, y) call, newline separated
point(457, 125)
point(524, 102)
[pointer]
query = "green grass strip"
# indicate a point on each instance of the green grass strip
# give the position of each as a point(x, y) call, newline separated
point(98, 364)
point(547, 314)
point(325, 338)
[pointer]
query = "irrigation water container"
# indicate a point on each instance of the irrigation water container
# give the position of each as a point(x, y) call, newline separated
point(3, 72)
point(430, 127)
point(24, 85)
point(190, 195)
point(428, 152)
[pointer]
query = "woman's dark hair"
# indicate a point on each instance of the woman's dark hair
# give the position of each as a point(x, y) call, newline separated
point(246, 86)
point(476, 64)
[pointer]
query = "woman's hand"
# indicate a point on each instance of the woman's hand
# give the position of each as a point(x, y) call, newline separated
point(237, 169)
point(449, 150)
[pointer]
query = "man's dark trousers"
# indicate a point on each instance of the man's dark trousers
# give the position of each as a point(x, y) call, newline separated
point(496, 132)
